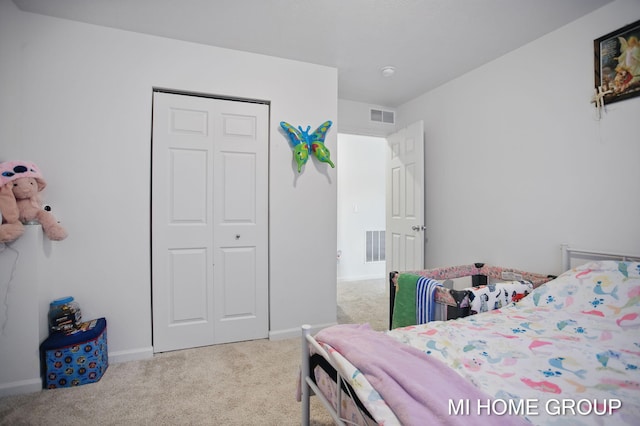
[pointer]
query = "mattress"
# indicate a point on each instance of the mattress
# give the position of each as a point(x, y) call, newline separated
point(566, 353)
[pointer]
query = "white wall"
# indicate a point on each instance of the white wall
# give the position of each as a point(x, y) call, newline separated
point(19, 313)
point(361, 203)
point(76, 100)
point(355, 118)
point(516, 162)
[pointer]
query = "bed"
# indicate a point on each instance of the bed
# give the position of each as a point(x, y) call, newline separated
point(567, 353)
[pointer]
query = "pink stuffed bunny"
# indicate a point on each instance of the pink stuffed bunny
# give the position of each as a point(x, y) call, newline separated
point(10, 226)
point(27, 182)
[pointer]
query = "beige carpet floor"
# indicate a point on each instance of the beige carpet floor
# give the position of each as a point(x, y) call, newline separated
point(246, 383)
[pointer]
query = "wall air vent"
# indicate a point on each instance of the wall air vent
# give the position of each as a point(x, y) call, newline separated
point(381, 116)
point(374, 248)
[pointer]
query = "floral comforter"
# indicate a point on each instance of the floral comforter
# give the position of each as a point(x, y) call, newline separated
point(568, 353)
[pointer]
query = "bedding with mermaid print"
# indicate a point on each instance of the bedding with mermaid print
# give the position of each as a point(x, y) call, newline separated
point(568, 353)
point(572, 347)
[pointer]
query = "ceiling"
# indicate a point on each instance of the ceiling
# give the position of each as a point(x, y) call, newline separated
point(429, 42)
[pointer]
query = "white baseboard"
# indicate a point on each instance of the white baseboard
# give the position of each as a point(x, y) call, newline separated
point(360, 278)
point(131, 355)
point(21, 387)
point(292, 333)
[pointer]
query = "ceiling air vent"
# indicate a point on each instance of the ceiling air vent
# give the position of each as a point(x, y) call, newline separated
point(380, 116)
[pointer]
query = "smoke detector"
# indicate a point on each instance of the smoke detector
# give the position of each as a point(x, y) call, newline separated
point(388, 71)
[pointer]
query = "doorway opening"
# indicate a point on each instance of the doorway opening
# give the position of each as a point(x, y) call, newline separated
point(362, 289)
point(361, 207)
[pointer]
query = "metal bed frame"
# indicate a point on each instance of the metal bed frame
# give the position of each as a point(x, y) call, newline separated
point(569, 253)
point(309, 388)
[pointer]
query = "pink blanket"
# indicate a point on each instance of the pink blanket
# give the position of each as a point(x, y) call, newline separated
point(415, 386)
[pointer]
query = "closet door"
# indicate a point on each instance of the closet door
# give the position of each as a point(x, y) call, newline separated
point(209, 221)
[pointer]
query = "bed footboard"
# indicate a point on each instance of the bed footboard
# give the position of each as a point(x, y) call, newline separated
point(311, 349)
point(308, 385)
point(304, 374)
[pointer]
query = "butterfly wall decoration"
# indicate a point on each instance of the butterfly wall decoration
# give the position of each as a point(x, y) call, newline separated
point(303, 142)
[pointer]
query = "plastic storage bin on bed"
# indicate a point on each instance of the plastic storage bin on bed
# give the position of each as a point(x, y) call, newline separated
point(77, 358)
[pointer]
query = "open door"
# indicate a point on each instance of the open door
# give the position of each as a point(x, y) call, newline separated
point(405, 234)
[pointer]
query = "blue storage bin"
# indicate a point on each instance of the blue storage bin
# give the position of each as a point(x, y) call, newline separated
point(77, 358)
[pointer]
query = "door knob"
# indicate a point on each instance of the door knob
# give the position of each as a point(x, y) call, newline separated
point(418, 228)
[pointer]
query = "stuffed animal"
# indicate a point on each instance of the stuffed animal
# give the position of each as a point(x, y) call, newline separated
point(26, 183)
point(10, 226)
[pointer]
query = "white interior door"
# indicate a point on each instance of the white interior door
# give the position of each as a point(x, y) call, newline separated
point(209, 217)
point(405, 234)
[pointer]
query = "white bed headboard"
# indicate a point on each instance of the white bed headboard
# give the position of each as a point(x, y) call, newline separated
point(572, 257)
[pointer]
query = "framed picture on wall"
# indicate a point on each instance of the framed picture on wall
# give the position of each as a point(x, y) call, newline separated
point(617, 63)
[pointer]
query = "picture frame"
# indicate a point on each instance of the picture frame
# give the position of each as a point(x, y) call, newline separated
point(617, 63)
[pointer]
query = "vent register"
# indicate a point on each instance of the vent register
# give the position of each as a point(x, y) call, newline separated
point(374, 249)
point(382, 116)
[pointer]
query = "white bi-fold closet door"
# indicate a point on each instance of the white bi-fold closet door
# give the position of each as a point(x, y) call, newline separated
point(209, 221)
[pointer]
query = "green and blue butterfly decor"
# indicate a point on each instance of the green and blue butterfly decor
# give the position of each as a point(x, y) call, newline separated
point(303, 143)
